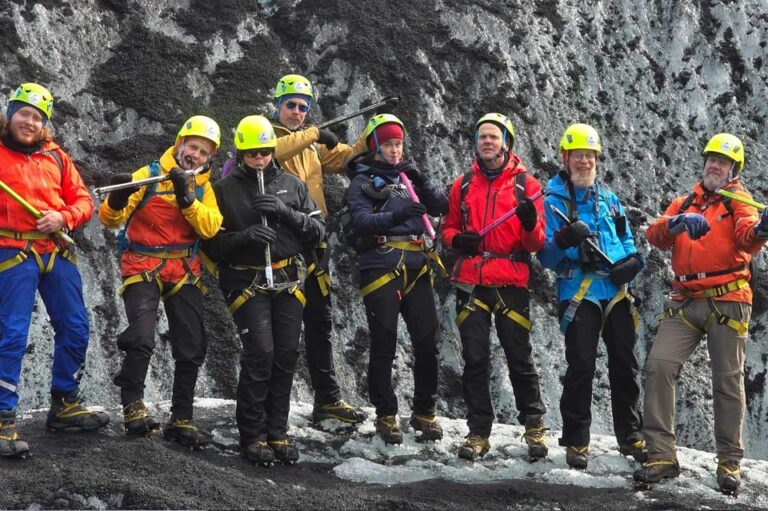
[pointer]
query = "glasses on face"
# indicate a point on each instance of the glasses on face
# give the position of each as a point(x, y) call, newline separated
point(292, 105)
point(255, 153)
point(584, 155)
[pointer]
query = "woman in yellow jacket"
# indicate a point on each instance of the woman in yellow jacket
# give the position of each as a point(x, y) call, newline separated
point(163, 225)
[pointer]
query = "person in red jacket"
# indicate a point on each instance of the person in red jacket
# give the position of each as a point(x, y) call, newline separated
point(491, 279)
point(712, 242)
point(163, 226)
point(34, 256)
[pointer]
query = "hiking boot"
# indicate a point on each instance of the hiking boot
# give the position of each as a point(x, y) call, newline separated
point(576, 456)
point(635, 447)
point(185, 432)
point(654, 471)
point(536, 438)
point(340, 411)
point(259, 452)
point(285, 451)
point(474, 447)
point(67, 413)
point(729, 476)
point(11, 446)
point(137, 421)
point(428, 426)
point(388, 429)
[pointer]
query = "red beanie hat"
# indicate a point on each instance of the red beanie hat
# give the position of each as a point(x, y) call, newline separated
point(383, 133)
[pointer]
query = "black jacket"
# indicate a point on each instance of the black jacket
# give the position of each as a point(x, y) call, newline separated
point(231, 247)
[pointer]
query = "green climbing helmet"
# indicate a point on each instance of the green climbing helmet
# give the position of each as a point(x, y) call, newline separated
point(35, 95)
point(255, 132)
point(294, 84)
point(500, 120)
point(379, 120)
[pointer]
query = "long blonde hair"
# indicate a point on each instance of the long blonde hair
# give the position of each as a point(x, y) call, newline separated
point(46, 134)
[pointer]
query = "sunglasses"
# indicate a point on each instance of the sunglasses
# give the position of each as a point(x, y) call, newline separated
point(254, 153)
point(292, 105)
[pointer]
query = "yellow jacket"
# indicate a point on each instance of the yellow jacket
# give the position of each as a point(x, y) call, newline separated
point(308, 161)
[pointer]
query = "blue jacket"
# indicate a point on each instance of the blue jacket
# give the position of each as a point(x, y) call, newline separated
point(602, 221)
point(372, 217)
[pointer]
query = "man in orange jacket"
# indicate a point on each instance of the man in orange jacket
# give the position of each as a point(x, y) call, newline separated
point(712, 241)
point(163, 227)
point(33, 257)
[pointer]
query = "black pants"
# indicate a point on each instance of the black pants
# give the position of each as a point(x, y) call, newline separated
point(317, 340)
point(269, 326)
point(581, 339)
point(188, 342)
point(475, 334)
point(382, 308)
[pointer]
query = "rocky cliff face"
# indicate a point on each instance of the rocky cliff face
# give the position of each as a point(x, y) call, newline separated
point(656, 79)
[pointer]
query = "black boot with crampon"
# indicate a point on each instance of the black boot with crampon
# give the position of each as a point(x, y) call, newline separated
point(67, 413)
point(186, 432)
point(285, 451)
point(11, 446)
point(138, 421)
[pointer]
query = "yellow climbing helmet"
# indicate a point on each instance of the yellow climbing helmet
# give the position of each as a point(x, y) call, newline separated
point(294, 84)
point(255, 132)
point(201, 126)
point(500, 120)
point(727, 145)
point(35, 95)
point(580, 136)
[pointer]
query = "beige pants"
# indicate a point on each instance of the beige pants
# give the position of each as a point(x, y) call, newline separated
point(675, 341)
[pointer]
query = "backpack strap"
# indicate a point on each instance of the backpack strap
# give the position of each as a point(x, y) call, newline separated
point(465, 180)
point(122, 235)
point(687, 203)
point(520, 186)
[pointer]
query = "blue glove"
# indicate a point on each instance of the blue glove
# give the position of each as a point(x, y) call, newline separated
point(695, 224)
point(761, 227)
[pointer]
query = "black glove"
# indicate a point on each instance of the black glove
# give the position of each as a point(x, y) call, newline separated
point(467, 241)
point(411, 210)
point(527, 214)
point(327, 138)
point(259, 234)
point(410, 170)
point(624, 270)
point(270, 205)
point(118, 199)
point(185, 196)
point(572, 235)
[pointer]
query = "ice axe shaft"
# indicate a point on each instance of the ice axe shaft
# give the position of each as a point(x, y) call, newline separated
point(589, 242)
point(142, 182)
point(267, 255)
point(746, 200)
point(506, 216)
point(33, 211)
point(415, 198)
point(378, 104)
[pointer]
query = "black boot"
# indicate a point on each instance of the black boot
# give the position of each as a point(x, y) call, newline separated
point(11, 446)
point(729, 476)
point(653, 471)
point(67, 413)
point(576, 456)
point(475, 447)
point(285, 451)
point(340, 411)
point(186, 432)
point(635, 447)
point(137, 421)
point(259, 452)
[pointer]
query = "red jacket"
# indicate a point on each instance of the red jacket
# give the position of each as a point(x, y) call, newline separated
point(729, 243)
point(486, 201)
point(38, 179)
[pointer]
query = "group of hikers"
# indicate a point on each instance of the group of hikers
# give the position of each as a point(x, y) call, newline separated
point(261, 229)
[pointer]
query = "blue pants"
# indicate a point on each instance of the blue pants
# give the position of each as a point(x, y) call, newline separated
point(62, 294)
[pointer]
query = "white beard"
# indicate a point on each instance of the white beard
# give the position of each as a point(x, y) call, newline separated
point(712, 182)
point(584, 180)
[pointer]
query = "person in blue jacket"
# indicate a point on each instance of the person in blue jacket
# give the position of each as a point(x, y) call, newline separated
point(395, 277)
point(592, 287)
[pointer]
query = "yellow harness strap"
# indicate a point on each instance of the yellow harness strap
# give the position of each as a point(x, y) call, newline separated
point(250, 292)
point(622, 294)
point(30, 235)
point(322, 276)
point(716, 316)
point(474, 303)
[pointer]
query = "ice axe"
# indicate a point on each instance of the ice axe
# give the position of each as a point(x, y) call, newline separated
point(506, 216)
point(746, 200)
point(33, 211)
point(101, 190)
point(382, 102)
point(589, 242)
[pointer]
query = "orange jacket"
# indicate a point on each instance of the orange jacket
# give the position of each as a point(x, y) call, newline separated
point(38, 179)
point(160, 222)
point(729, 243)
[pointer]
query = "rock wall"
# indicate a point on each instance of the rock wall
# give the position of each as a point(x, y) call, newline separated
point(656, 79)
